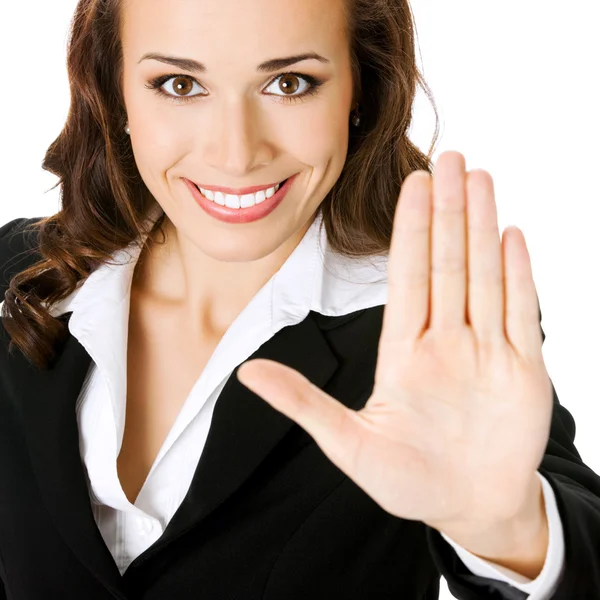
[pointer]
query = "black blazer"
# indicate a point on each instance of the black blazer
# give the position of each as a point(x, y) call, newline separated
point(267, 516)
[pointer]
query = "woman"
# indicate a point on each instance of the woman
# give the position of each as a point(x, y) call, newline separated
point(235, 177)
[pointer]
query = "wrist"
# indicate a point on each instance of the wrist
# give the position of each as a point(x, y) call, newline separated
point(519, 543)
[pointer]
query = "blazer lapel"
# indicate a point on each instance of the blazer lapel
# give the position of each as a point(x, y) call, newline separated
point(244, 429)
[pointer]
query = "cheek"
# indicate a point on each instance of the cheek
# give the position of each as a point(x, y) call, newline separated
point(156, 140)
point(320, 138)
point(157, 148)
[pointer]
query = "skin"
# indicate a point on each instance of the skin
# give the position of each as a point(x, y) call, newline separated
point(461, 409)
point(234, 133)
point(407, 447)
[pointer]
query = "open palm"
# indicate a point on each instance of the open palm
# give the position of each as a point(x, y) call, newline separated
point(460, 413)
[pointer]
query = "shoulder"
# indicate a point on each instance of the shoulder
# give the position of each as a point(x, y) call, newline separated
point(18, 248)
point(19, 234)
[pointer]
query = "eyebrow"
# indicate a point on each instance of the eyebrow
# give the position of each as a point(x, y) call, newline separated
point(274, 64)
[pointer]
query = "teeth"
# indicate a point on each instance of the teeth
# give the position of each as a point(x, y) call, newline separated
point(234, 201)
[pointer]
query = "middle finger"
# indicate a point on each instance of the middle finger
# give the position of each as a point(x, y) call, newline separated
point(448, 243)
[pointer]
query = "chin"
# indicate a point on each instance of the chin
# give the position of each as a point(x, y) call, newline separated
point(227, 246)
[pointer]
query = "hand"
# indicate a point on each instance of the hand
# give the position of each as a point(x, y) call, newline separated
point(460, 413)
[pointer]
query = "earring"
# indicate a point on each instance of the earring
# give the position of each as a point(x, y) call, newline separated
point(356, 118)
point(127, 130)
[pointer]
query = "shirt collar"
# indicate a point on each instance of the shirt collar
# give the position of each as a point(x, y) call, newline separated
point(312, 278)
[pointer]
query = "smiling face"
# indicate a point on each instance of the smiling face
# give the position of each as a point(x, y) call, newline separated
point(227, 122)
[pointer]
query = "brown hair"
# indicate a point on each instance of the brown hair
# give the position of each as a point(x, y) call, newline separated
point(105, 201)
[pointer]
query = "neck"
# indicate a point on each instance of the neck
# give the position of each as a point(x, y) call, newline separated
point(208, 293)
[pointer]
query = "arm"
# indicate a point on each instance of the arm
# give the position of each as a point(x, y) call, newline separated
point(547, 565)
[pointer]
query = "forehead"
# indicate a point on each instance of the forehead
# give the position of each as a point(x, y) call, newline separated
point(231, 27)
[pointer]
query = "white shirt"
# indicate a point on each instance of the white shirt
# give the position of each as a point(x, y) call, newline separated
point(312, 278)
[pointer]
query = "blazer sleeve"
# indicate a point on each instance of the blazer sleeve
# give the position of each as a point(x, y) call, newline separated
point(577, 491)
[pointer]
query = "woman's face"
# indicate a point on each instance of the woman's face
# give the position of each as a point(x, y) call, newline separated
point(238, 126)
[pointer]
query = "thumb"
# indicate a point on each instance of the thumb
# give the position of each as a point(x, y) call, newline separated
point(333, 426)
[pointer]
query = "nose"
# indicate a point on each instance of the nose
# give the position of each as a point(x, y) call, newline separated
point(236, 144)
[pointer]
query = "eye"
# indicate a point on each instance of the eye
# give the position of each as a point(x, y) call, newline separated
point(184, 84)
point(288, 82)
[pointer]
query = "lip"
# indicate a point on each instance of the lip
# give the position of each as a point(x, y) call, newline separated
point(238, 192)
point(241, 215)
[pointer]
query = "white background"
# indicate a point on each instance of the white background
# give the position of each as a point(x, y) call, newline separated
point(516, 84)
